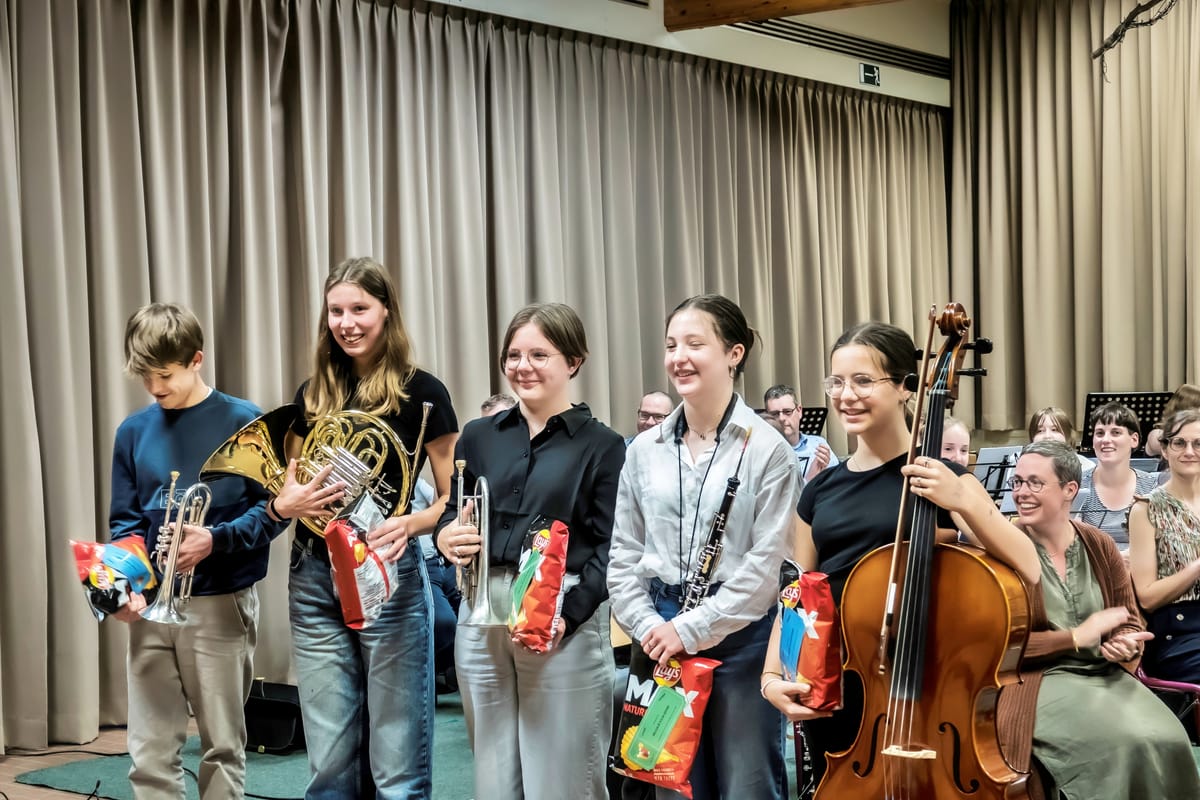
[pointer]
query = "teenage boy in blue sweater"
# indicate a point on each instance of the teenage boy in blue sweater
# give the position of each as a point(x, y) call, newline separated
point(207, 662)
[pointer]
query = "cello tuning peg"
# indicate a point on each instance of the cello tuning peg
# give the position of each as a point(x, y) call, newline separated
point(973, 372)
point(982, 345)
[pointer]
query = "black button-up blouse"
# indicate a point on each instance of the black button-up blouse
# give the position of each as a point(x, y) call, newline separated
point(568, 472)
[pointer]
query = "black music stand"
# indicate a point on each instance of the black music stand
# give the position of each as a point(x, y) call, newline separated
point(812, 421)
point(1147, 405)
point(994, 465)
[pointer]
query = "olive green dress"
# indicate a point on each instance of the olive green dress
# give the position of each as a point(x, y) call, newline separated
point(1099, 732)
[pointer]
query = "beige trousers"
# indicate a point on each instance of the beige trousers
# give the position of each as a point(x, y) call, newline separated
point(207, 664)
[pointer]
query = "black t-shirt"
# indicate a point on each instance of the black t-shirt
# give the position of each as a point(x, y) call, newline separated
point(852, 513)
point(568, 472)
point(421, 387)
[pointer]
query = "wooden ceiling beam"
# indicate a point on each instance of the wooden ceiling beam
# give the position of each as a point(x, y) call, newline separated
point(679, 15)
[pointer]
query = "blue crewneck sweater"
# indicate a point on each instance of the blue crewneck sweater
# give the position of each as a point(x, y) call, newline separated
point(152, 442)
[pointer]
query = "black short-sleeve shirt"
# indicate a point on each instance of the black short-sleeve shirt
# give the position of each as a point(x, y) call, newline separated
point(421, 387)
point(852, 513)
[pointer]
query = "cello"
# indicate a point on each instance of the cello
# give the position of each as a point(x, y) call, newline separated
point(934, 631)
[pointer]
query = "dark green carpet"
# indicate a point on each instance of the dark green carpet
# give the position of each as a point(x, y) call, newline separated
point(270, 776)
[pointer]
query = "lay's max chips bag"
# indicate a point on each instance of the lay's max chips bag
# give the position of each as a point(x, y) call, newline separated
point(810, 638)
point(111, 572)
point(662, 719)
point(535, 613)
point(362, 579)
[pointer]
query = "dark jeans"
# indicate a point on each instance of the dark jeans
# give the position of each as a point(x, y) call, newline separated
point(446, 597)
point(741, 747)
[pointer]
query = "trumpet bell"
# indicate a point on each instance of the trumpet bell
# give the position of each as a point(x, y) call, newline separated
point(473, 576)
point(165, 613)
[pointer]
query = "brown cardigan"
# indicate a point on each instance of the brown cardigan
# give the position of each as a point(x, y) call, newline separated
point(1016, 708)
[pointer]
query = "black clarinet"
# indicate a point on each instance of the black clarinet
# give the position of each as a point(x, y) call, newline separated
point(700, 579)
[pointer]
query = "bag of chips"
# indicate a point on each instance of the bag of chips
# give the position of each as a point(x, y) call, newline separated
point(661, 719)
point(535, 614)
point(111, 572)
point(810, 640)
point(362, 579)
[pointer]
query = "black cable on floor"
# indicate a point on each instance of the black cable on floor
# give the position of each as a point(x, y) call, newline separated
point(95, 794)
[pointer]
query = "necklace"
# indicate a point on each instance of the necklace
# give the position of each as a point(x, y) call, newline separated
point(703, 434)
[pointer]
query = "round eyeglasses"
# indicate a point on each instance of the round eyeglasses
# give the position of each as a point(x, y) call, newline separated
point(536, 358)
point(861, 385)
point(1034, 485)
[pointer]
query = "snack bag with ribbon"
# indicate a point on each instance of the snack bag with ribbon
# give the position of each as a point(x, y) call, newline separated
point(362, 578)
point(111, 572)
point(661, 719)
point(535, 614)
point(810, 640)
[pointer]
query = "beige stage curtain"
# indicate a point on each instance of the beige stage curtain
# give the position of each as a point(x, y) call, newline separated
point(225, 153)
point(1074, 199)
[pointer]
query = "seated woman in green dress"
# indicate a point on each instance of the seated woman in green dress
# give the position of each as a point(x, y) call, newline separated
point(1094, 728)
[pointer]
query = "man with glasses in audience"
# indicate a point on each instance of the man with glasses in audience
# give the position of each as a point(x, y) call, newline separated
point(653, 409)
point(782, 402)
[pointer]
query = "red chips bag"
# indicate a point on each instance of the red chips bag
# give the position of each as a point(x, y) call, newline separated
point(810, 641)
point(362, 578)
point(661, 720)
point(537, 592)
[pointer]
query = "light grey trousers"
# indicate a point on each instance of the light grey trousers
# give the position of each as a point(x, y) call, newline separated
point(539, 725)
point(207, 663)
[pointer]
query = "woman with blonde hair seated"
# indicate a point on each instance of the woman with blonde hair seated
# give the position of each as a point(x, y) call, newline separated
point(1164, 555)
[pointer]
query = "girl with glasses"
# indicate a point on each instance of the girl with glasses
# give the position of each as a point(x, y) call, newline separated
point(672, 485)
point(1164, 555)
point(538, 722)
point(850, 510)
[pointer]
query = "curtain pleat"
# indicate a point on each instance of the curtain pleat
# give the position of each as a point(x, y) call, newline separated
point(226, 153)
point(1075, 193)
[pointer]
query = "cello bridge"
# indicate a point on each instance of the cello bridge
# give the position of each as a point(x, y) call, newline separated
point(900, 751)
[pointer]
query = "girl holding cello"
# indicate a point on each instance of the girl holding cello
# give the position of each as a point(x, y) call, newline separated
point(848, 511)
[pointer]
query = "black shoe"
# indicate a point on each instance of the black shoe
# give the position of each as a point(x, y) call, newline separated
point(446, 682)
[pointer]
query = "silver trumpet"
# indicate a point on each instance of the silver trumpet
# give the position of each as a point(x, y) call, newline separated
point(167, 606)
point(473, 576)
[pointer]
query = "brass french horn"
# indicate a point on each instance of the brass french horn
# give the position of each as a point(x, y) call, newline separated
point(360, 447)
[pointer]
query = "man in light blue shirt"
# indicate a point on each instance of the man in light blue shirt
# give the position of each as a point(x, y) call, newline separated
point(814, 454)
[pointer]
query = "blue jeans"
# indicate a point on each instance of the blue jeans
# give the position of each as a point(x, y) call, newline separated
point(383, 674)
point(741, 747)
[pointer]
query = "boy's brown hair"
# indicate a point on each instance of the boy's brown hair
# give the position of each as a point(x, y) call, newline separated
point(160, 334)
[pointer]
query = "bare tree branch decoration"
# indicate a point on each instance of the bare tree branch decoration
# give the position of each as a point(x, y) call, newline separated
point(1131, 21)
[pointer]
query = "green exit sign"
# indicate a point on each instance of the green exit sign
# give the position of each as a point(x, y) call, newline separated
point(868, 74)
